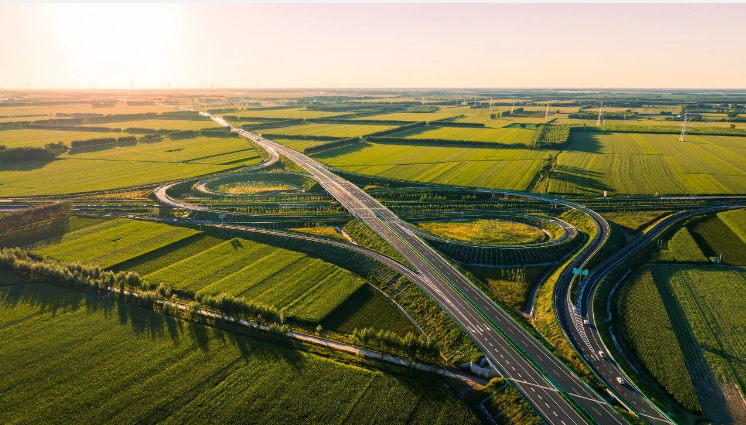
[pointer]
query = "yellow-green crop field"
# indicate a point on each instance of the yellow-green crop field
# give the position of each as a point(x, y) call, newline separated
point(160, 124)
point(39, 138)
point(702, 315)
point(328, 130)
point(507, 168)
point(77, 108)
point(298, 145)
point(495, 135)
point(633, 163)
point(69, 357)
point(117, 167)
point(284, 113)
point(441, 113)
point(112, 242)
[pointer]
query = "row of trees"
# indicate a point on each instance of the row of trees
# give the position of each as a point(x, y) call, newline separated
point(25, 154)
point(387, 339)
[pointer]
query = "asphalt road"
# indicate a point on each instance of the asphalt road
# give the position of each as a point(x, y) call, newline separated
point(586, 338)
point(541, 378)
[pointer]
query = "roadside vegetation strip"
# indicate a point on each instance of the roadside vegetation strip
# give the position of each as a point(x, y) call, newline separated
point(113, 242)
point(645, 326)
point(215, 363)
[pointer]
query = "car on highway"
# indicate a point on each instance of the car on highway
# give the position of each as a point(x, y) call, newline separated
point(621, 380)
point(602, 354)
point(586, 322)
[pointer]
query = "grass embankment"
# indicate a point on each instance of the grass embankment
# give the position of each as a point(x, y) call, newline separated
point(545, 319)
point(364, 236)
point(325, 231)
point(632, 221)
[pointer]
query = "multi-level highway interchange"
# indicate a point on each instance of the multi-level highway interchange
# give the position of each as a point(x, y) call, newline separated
point(552, 388)
point(514, 351)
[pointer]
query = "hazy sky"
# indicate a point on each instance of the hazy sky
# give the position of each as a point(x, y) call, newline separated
point(499, 45)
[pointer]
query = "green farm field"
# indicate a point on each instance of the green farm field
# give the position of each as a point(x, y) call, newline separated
point(442, 113)
point(704, 310)
point(117, 167)
point(682, 248)
point(160, 124)
point(298, 145)
point(309, 289)
point(646, 164)
point(495, 135)
point(112, 242)
point(652, 339)
point(290, 113)
point(328, 130)
point(508, 168)
point(77, 108)
point(75, 358)
point(38, 138)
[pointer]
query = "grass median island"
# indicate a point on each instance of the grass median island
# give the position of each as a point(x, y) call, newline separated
point(510, 285)
point(104, 361)
point(491, 232)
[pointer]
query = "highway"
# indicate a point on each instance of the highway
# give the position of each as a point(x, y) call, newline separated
point(540, 377)
point(586, 338)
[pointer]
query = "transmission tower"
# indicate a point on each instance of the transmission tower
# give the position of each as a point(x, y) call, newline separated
point(682, 137)
point(600, 120)
point(512, 108)
point(546, 114)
